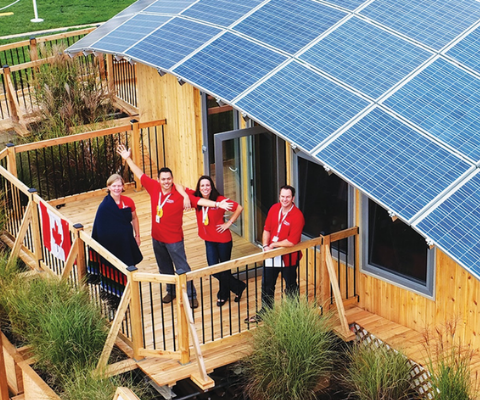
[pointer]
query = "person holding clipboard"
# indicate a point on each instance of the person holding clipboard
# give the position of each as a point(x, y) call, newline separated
point(283, 228)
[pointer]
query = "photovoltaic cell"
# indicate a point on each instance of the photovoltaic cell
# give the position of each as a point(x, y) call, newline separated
point(365, 57)
point(221, 12)
point(126, 35)
point(89, 41)
point(287, 27)
point(467, 51)
point(305, 107)
point(393, 163)
point(445, 101)
point(349, 4)
point(229, 65)
point(432, 22)
point(455, 225)
point(136, 7)
point(172, 42)
point(169, 6)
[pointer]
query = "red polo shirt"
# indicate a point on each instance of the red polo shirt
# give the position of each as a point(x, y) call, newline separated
point(291, 229)
point(169, 229)
point(215, 218)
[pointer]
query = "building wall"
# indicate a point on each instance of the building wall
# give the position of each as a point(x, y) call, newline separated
point(163, 98)
point(457, 293)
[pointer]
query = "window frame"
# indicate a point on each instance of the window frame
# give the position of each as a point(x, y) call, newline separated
point(401, 281)
point(351, 218)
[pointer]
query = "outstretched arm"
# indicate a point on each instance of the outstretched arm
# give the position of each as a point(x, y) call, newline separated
point(225, 204)
point(126, 155)
point(186, 200)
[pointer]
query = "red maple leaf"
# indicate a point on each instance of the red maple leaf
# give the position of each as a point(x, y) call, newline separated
point(57, 236)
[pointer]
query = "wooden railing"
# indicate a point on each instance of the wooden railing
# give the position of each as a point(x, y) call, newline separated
point(20, 60)
point(150, 327)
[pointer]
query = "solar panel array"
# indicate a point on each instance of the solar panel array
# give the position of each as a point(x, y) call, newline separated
point(386, 93)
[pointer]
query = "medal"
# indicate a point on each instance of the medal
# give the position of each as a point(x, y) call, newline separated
point(160, 208)
point(205, 215)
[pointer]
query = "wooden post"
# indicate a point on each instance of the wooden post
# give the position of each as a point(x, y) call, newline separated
point(183, 339)
point(10, 92)
point(11, 160)
point(36, 229)
point(3, 375)
point(136, 153)
point(110, 76)
point(101, 69)
point(33, 49)
point(324, 279)
point(81, 262)
point(136, 317)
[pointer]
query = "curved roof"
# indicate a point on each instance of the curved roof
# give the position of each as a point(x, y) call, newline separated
point(385, 93)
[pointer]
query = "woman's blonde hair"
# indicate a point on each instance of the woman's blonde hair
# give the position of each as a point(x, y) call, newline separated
point(113, 178)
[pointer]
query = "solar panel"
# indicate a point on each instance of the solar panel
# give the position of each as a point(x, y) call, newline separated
point(349, 4)
point(172, 42)
point(455, 225)
point(467, 51)
point(221, 12)
point(169, 6)
point(136, 7)
point(289, 28)
point(305, 107)
point(432, 22)
point(445, 101)
point(393, 163)
point(120, 39)
point(229, 65)
point(88, 41)
point(365, 57)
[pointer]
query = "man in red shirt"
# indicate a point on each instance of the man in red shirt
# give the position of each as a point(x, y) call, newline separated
point(283, 228)
point(167, 205)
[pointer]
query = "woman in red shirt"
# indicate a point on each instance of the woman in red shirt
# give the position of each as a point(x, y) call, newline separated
point(216, 232)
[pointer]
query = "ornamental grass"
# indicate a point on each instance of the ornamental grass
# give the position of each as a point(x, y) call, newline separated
point(293, 350)
point(377, 372)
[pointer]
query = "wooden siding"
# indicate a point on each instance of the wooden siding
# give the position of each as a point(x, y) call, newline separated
point(457, 293)
point(162, 97)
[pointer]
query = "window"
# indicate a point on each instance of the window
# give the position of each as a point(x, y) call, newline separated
point(395, 251)
point(323, 199)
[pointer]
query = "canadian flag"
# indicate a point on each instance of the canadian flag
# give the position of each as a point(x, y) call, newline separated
point(56, 235)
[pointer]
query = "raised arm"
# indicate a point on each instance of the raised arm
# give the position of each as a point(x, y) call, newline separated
point(126, 154)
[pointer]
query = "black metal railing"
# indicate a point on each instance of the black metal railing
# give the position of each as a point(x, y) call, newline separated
point(124, 77)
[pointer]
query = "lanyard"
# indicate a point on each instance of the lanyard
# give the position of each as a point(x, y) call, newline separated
point(205, 215)
point(160, 207)
point(281, 219)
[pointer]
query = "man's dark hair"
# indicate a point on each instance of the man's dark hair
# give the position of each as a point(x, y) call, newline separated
point(165, 169)
point(288, 187)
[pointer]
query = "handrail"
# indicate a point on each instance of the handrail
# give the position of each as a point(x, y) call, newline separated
point(83, 136)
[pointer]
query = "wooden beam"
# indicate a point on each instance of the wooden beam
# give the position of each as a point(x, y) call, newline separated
point(336, 290)
point(136, 317)
point(27, 217)
point(205, 379)
point(3, 374)
point(112, 334)
point(183, 339)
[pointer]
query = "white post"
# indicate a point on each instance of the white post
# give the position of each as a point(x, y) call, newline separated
point(36, 19)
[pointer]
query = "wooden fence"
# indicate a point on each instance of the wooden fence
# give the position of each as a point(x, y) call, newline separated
point(141, 320)
point(20, 61)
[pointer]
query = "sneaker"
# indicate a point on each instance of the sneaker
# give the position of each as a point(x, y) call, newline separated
point(193, 303)
point(168, 298)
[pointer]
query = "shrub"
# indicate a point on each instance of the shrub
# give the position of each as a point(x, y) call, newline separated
point(449, 365)
point(292, 352)
point(376, 372)
point(68, 94)
point(64, 328)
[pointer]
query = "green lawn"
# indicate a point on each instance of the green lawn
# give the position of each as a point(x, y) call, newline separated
point(56, 13)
